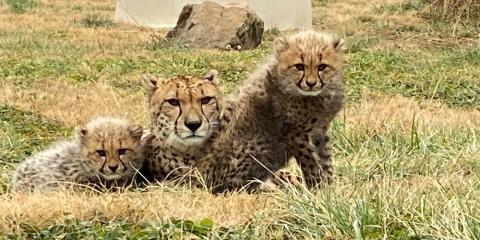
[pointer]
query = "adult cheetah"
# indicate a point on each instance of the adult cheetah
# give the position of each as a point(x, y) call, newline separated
point(184, 113)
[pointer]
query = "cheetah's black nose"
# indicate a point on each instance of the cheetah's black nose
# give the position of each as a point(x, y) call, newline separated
point(311, 84)
point(113, 168)
point(193, 125)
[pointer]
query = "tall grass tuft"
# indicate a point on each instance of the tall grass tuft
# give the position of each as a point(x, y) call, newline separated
point(96, 21)
point(456, 11)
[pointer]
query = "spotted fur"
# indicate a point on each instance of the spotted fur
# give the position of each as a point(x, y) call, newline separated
point(184, 111)
point(247, 148)
point(283, 110)
point(306, 70)
point(106, 152)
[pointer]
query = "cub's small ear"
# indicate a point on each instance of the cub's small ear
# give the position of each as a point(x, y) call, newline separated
point(338, 44)
point(136, 130)
point(81, 133)
point(212, 76)
point(149, 83)
point(280, 44)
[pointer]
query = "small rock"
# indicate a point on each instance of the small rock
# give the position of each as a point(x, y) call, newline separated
point(211, 25)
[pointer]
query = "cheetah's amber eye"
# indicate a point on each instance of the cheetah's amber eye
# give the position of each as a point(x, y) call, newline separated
point(300, 67)
point(205, 100)
point(121, 151)
point(173, 102)
point(101, 153)
point(322, 67)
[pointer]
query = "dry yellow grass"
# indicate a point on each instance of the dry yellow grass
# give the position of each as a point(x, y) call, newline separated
point(342, 16)
point(362, 19)
point(380, 113)
point(75, 104)
point(52, 15)
point(156, 204)
point(431, 187)
point(162, 202)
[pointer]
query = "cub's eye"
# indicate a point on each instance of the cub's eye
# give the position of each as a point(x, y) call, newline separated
point(121, 151)
point(206, 100)
point(322, 67)
point(101, 153)
point(173, 102)
point(300, 67)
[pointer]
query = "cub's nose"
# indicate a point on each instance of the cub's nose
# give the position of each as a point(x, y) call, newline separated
point(113, 168)
point(311, 84)
point(193, 125)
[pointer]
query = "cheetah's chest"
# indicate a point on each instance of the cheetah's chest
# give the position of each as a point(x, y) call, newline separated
point(306, 114)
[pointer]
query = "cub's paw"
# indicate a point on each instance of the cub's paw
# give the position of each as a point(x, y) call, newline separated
point(283, 178)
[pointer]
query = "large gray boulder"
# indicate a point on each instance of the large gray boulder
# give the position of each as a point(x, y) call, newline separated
point(211, 25)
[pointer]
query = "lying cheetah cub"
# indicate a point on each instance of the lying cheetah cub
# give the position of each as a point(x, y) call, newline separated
point(184, 111)
point(105, 152)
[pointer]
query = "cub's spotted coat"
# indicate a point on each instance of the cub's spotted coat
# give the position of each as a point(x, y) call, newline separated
point(283, 110)
point(106, 152)
point(306, 72)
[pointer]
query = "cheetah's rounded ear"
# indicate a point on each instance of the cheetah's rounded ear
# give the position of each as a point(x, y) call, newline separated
point(136, 130)
point(338, 44)
point(81, 133)
point(280, 44)
point(149, 83)
point(212, 76)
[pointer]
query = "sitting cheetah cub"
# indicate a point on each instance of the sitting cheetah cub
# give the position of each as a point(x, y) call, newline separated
point(286, 106)
point(184, 111)
point(305, 76)
point(105, 152)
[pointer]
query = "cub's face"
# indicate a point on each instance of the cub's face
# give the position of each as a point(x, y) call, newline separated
point(113, 146)
point(184, 109)
point(308, 61)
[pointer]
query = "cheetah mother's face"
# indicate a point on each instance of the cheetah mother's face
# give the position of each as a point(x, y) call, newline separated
point(184, 109)
point(308, 61)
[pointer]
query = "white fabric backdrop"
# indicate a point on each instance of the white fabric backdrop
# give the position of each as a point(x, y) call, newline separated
point(281, 14)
